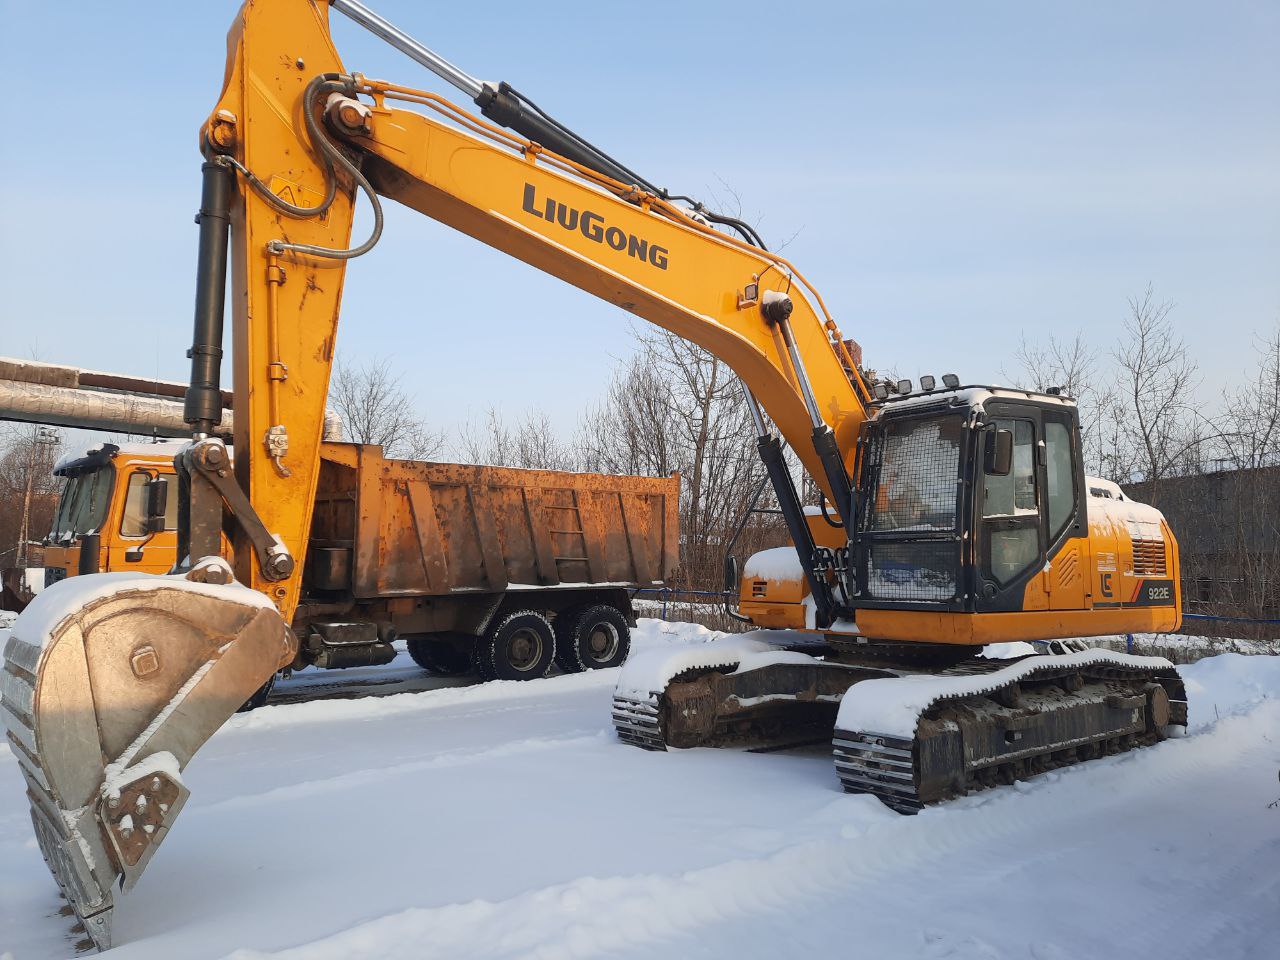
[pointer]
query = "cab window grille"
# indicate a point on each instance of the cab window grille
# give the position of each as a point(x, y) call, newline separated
point(913, 468)
point(919, 570)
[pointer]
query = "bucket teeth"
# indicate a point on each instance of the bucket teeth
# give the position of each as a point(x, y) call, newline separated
point(105, 695)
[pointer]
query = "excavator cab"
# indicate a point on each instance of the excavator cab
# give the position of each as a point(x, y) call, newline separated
point(963, 497)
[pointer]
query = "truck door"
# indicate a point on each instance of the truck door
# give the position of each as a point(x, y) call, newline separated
point(157, 553)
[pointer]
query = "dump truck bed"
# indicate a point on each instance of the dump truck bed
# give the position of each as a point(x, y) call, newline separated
point(411, 528)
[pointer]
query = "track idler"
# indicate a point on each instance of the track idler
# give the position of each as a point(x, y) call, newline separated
point(111, 683)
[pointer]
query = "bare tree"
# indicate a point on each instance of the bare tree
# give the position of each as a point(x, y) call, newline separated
point(1251, 413)
point(28, 489)
point(675, 406)
point(1156, 378)
point(375, 409)
point(1073, 366)
point(530, 443)
point(1247, 488)
point(631, 430)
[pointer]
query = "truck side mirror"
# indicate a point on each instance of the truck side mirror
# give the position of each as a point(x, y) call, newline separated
point(90, 546)
point(731, 575)
point(997, 453)
point(157, 500)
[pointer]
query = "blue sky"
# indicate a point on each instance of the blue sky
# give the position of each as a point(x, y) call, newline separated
point(954, 176)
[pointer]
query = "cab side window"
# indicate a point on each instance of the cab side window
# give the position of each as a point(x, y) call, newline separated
point(1014, 495)
point(1060, 476)
point(1011, 508)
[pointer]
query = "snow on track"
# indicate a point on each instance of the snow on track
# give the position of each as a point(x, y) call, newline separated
point(505, 820)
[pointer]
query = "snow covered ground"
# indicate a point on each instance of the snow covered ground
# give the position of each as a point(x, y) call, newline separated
point(505, 821)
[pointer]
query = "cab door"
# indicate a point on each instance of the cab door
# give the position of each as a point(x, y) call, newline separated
point(1066, 519)
point(130, 547)
point(1010, 526)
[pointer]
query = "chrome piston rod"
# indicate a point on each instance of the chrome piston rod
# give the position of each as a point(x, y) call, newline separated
point(393, 35)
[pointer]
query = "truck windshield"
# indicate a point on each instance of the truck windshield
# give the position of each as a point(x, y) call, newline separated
point(83, 506)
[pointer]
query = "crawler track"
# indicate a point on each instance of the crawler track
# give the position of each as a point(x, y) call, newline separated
point(1034, 715)
point(914, 737)
point(637, 723)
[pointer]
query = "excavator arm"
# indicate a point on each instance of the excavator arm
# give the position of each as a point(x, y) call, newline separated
point(112, 682)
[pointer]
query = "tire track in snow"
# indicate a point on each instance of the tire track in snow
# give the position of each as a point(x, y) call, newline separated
point(496, 692)
point(876, 853)
point(352, 779)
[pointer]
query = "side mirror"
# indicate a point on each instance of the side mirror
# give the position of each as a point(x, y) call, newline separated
point(133, 555)
point(157, 500)
point(997, 453)
point(731, 582)
point(90, 545)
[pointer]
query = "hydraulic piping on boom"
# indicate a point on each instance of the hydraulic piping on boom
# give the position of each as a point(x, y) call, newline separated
point(965, 517)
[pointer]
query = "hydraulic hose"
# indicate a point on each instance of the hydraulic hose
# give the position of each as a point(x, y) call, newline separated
point(330, 156)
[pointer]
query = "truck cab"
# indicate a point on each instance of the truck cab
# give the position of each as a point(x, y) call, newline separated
point(102, 522)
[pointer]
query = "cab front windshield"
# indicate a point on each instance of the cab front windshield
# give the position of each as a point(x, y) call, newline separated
point(82, 508)
point(910, 516)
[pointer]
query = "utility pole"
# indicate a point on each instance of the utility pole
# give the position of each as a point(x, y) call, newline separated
point(41, 436)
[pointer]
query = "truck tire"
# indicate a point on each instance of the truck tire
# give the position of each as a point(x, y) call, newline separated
point(439, 655)
point(592, 638)
point(521, 647)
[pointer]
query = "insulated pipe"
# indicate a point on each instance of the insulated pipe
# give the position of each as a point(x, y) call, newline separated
point(203, 408)
point(99, 410)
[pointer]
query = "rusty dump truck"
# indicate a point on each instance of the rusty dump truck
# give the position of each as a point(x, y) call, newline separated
point(495, 570)
point(488, 568)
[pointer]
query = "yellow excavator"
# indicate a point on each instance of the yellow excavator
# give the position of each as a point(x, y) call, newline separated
point(951, 516)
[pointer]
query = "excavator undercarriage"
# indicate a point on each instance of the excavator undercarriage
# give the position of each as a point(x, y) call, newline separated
point(908, 735)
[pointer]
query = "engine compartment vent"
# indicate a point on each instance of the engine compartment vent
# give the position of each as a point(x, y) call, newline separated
point(1149, 558)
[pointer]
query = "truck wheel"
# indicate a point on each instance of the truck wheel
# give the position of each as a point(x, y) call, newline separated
point(259, 698)
point(592, 638)
point(439, 655)
point(521, 647)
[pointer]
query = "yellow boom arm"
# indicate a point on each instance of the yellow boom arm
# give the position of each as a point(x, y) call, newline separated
point(631, 248)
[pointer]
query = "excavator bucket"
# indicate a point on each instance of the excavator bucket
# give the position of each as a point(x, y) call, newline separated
point(111, 683)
